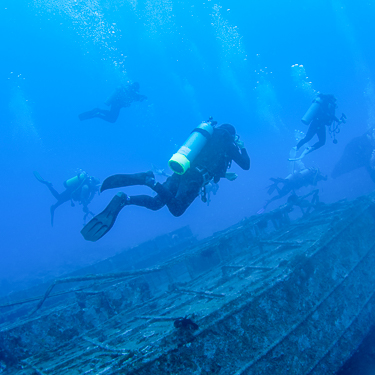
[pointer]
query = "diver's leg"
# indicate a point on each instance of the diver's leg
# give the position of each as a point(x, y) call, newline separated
point(321, 133)
point(124, 180)
point(53, 208)
point(178, 192)
point(54, 192)
point(109, 116)
point(168, 190)
point(152, 203)
point(88, 115)
point(310, 133)
point(188, 189)
point(48, 184)
point(103, 222)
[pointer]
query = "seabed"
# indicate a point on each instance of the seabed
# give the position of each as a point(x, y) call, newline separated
point(269, 295)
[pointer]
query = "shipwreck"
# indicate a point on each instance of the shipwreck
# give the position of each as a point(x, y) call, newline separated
point(270, 295)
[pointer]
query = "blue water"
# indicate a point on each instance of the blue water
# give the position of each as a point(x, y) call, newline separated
point(234, 60)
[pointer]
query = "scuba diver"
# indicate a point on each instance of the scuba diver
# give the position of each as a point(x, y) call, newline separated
point(122, 97)
point(80, 188)
point(204, 157)
point(294, 181)
point(358, 153)
point(320, 114)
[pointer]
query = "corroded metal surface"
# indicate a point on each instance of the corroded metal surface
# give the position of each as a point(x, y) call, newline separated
point(298, 299)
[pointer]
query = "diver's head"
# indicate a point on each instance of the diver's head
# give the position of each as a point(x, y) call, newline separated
point(94, 181)
point(328, 98)
point(331, 100)
point(230, 129)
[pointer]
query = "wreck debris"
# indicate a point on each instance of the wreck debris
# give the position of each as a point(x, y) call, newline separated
point(90, 278)
point(185, 323)
point(298, 298)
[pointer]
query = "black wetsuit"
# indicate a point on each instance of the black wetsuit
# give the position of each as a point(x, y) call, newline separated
point(122, 97)
point(324, 117)
point(179, 191)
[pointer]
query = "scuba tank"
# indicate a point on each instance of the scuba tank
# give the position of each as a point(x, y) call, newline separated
point(180, 161)
point(312, 111)
point(74, 182)
point(115, 95)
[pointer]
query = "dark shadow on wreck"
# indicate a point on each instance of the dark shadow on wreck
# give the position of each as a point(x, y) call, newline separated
point(269, 295)
point(363, 360)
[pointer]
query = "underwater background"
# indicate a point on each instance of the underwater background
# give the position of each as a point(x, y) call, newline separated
point(254, 64)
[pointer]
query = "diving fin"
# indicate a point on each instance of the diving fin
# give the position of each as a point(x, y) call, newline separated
point(122, 180)
point(89, 114)
point(41, 179)
point(98, 226)
point(38, 176)
point(296, 159)
point(306, 151)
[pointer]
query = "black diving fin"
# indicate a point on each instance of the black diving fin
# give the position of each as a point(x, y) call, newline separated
point(99, 225)
point(89, 114)
point(122, 180)
point(41, 179)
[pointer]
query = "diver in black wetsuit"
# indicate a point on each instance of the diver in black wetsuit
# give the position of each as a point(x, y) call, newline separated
point(81, 188)
point(122, 97)
point(358, 153)
point(320, 114)
point(179, 190)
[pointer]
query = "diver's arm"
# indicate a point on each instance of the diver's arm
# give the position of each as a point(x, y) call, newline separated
point(139, 97)
point(240, 157)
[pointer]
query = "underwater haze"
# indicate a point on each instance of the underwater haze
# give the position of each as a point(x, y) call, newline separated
point(254, 64)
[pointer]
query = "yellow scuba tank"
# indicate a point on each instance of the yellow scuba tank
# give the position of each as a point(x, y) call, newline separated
point(180, 161)
point(75, 181)
point(312, 111)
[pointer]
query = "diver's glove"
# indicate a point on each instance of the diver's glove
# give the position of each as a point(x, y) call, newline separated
point(239, 144)
point(342, 119)
point(231, 176)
